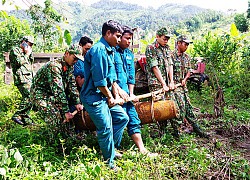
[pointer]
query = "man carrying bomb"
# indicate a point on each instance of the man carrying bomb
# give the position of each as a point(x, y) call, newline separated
point(21, 61)
point(159, 67)
point(52, 87)
point(159, 64)
point(182, 71)
point(125, 70)
point(98, 94)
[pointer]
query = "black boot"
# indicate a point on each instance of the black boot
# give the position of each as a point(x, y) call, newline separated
point(176, 134)
point(19, 120)
point(199, 132)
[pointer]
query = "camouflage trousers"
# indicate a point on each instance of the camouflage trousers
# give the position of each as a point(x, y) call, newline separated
point(184, 107)
point(53, 116)
point(25, 105)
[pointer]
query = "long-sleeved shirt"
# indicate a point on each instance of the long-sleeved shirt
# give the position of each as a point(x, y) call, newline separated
point(56, 79)
point(125, 69)
point(21, 65)
point(99, 71)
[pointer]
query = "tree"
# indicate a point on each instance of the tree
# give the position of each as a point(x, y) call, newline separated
point(241, 22)
point(44, 24)
point(11, 31)
point(248, 10)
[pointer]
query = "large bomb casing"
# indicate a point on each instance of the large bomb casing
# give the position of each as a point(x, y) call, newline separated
point(163, 110)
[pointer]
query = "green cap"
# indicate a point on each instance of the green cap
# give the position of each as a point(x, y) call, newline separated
point(163, 32)
point(29, 39)
point(76, 50)
point(183, 38)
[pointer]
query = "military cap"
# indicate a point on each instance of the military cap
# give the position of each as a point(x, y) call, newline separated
point(183, 38)
point(29, 39)
point(163, 32)
point(76, 50)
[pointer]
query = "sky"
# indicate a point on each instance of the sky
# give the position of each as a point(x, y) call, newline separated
point(222, 5)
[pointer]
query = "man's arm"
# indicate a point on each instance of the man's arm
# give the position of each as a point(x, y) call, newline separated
point(108, 94)
point(158, 75)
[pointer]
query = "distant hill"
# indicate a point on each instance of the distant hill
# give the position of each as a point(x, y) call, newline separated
point(87, 20)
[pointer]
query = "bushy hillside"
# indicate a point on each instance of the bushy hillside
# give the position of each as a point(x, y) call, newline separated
point(80, 19)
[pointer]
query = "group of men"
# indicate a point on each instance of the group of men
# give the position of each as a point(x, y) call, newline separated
point(104, 75)
point(170, 70)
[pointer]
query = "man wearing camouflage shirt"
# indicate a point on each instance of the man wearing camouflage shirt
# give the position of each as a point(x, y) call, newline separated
point(159, 67)
point(51, 88)
point(159, 64)
point(182, 69)
point(21, 62)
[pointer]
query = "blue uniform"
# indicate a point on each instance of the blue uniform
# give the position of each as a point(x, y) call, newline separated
point(125, 70)
point(79, 68)
point(78, 71)
point(99, 70)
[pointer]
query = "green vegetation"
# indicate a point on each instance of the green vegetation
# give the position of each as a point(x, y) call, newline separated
point(26, 152)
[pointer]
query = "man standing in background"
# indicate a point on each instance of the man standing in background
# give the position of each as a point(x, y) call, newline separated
point(21, 61)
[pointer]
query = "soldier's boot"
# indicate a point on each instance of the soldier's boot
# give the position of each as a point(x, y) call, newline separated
point(176, 132)
point(199, 132)
point(19, 120)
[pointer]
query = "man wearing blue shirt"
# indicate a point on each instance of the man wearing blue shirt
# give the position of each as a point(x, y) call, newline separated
point(97, 94)
point(85, 43)
point(125, 70)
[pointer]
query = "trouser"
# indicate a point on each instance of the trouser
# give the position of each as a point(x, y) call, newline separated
point(25, 105)
point(185, 108)
point(110, 124)
point(134, 121)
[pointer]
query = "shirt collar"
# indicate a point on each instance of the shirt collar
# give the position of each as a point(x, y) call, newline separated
point(107, 46)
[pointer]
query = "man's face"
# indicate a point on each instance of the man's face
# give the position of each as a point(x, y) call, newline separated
point(125, 40)
point(85, 48)
point(182, 46)
point(70, 59)
point(113, 38)
point(162, 40)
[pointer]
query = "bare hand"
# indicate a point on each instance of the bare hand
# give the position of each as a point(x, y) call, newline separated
point(28, 50)
point(119, 101)
point(134, 98)
point(123, 94)
point(165, 88)
point(68, 117)
point(171, 86)
point(183, 82)
point(111, 102)
point(79, 107)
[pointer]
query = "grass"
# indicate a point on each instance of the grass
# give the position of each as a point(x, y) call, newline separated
point(26, 153)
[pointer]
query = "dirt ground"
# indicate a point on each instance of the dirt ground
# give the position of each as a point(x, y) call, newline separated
point(238, 137)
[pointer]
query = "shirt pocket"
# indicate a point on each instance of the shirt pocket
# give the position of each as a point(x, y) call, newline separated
point(118, 67)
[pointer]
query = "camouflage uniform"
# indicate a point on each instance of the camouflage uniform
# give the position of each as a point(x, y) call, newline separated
point(51, 88)
point(156, 55)
point(22, 74)
point(182, 65)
